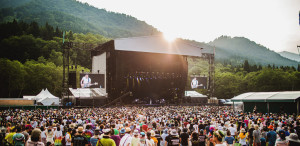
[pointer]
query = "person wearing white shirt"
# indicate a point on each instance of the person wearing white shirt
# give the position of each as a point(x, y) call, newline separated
point(64, 121)
point(79, 122)
point(232, 130)
point(68, 137)
point(194, 83)
point(126, 139)
point(195, 127)
point(85, 81)
point(34, 125)
point(57, 136)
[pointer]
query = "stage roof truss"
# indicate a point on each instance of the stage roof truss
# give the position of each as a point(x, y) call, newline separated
point(154, 44)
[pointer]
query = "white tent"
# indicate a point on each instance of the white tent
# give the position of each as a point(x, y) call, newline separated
point(44, 97)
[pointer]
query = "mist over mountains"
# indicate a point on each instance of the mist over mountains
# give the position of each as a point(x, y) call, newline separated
point(290, 55)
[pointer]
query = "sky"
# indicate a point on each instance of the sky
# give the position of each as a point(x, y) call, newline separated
point(271, 23)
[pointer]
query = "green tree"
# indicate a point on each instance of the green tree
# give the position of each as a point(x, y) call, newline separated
point(34, 29)
point(58, 33)
point(12, 78)
point(246, 66)
point(56, 58)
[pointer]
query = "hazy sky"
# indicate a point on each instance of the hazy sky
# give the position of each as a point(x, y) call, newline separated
point(272, 23)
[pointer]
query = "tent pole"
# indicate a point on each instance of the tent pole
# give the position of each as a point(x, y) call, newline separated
point(298, 108)
point(244, 107)
point(233, 106)
point(268, 106)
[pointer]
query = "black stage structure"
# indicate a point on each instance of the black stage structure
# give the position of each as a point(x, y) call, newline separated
point(146, 69)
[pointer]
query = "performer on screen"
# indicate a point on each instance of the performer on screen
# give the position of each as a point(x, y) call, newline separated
point(194, 83)
point(85, 81)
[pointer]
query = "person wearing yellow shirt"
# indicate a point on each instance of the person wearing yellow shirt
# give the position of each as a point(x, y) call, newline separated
point(9, 137)
point(106, 140)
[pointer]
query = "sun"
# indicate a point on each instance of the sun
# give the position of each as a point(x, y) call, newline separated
point(169, 37)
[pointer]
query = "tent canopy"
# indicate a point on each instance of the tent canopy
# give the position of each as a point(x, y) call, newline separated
point(44, 97)
point(285, 96)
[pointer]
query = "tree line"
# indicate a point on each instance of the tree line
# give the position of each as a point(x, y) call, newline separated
point(22, 41)
point(68, 15)
point(31, 61)
point(15, 28)
point(232, 80)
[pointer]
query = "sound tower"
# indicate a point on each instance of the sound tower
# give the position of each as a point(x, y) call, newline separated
point(72, 80)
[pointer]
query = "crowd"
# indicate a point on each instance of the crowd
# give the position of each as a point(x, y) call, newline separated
point(148, 126)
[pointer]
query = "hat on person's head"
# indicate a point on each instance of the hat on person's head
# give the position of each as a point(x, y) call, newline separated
point(152, 133)
point(136, 132)
point(256, 127)
point(122, 131)
point(80, 129)
point(293, 137)
point(3, 130)
point(173, 132)
point(143, 134)
point(243, 130)
point(72, 126)
point(127, 129)
point(106, 131)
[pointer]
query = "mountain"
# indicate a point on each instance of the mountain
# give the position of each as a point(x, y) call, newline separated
point(289, 55)
point(235, 50)
point(83, 18)
point(239, 48)
point(75, 16)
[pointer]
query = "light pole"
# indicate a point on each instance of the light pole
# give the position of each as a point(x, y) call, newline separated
point(298, 47)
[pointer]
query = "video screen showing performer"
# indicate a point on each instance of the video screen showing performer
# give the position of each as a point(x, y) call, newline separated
point(86, 81)
point(199, 83)
point(89, 80)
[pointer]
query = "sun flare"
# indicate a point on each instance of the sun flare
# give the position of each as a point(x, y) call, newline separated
point(169, 37)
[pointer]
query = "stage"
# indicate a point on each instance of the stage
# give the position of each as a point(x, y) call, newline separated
point(149, 67)
point(87, 97)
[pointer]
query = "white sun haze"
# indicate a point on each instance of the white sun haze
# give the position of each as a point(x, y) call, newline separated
point(272, 23)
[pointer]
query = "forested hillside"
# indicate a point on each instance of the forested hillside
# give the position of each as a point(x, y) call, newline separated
point(237, 49)
point(31, 50)
point(31, 57)
point(74, 16)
